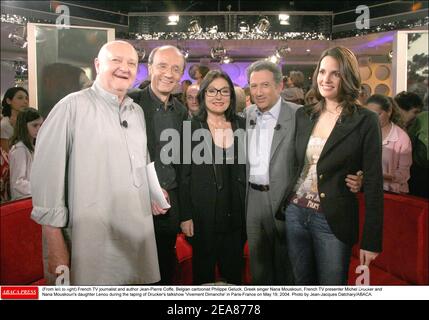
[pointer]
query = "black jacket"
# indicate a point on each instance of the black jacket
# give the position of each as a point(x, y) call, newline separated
point(354, 144)
point(158, 119)
point(198, 187)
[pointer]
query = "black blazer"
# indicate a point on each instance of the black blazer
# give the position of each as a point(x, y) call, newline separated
point(354, 144)
point(198, 189)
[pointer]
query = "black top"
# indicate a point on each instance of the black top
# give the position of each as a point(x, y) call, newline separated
point(223, 185)
point(213, 194)
point(160, 116)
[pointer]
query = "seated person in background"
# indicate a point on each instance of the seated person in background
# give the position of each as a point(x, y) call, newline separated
point(419, 170)
point(363, 95)
point(396, 144)
point(249, 100)
point(294, 91)
point(185, 84)
point(21, 153)
point(310, 97)
point(191, 100)
point(410, 105)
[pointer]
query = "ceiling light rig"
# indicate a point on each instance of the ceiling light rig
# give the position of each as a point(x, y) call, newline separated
point(262, 26)
point(173, 20)
point(195, 27)
point(219, 53)
point(19, 39)
point(284, 19)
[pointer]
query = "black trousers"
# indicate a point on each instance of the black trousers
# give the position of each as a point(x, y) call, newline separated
point(166, 229)
point(223, 249)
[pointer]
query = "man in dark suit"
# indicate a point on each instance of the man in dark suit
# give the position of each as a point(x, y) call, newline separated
point(163, 111)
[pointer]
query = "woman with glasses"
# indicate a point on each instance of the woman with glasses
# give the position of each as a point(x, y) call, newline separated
point(212, 187)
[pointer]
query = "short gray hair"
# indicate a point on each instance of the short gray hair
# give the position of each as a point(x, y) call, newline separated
point(265, 65)
point(153, 52)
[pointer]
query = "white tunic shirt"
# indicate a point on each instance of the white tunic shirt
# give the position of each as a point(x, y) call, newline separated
point(20, 161)
point(89, 176)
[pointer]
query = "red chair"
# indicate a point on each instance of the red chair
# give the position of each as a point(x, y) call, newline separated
point(404, 260)
point(21, 245)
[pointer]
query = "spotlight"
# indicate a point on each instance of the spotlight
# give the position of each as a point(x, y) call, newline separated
point(194, 26)
point(213, 29)
point(173, 20)
point(282, 51)
point(263, 25)
point(284, 19)
point(273, 59)
point(225, 60)
point(218, 52)
point(243, 26)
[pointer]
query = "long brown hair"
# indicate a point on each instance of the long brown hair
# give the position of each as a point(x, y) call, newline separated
point(21, 131)
point(350, 82)
point(387, 104)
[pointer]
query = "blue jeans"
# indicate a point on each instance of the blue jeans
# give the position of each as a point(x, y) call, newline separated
point(316, 255)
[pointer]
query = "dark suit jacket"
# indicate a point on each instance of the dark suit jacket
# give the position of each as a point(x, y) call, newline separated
point(198, 190)
point(354, 144)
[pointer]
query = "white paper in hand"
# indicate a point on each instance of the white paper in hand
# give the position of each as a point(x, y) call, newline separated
point(156, 193)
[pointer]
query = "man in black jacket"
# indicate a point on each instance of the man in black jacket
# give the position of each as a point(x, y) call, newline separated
point(163, 111)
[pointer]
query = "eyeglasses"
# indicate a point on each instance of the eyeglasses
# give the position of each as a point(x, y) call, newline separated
point(212, 92)
point(165, 67)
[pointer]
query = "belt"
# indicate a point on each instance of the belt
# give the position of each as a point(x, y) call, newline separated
point(259, 187)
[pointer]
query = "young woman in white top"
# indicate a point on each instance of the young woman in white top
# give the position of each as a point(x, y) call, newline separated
point(21, 153)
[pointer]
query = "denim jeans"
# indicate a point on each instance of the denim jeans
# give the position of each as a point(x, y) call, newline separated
point(316, 255)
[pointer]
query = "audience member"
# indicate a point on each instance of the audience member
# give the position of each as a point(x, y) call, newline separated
point(15, 99)
point(241, 101)
point(21, 153)
point(419, 170)
point(294, 92)
point(396, 145)
point(191, 98)
point(410, 105)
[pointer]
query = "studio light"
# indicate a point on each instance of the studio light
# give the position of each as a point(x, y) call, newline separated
point(213, 29)
point(173, 20)
point(194, 27)
point(263, 25)
point(225, 60)
point(243, 26)
point(282, 51)
point(273, 59)
point(284, 19)
point(218, 52)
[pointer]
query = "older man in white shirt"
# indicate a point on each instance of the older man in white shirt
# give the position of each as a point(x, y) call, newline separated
point(89, 183)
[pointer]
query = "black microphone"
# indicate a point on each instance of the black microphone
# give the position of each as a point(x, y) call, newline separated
point(124, 124)
point(277, 127)
point(252, 123)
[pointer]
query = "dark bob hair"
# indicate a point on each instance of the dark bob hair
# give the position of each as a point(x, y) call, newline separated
point(208, 79)
point(9, 94)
